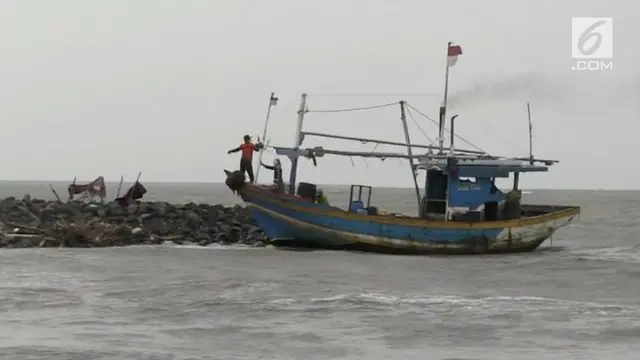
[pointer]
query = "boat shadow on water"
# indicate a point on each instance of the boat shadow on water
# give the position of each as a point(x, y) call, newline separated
point(291, 245)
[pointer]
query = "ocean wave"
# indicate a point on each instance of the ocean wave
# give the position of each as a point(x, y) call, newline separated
point(624, 254)
point(269, 294)
point(501, 303)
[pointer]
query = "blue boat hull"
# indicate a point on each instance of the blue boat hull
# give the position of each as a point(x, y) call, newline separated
point(294, 222)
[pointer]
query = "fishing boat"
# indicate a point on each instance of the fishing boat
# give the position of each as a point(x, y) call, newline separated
point(460, 208)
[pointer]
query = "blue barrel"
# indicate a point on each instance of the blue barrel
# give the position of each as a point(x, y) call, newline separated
point(356, 205)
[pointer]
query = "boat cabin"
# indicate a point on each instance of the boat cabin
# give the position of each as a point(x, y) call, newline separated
point(465, 190)
point(455, 189)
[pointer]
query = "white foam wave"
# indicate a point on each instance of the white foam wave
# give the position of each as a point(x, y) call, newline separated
point(284, 301)
point(626, 254)
point(330, 298)
point(503, 302)
point(192, 245)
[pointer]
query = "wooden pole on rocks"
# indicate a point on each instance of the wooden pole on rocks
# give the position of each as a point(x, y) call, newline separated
point(119, 186)
point(55, 193)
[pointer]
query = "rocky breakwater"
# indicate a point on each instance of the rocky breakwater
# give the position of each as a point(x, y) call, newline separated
point(30, 222)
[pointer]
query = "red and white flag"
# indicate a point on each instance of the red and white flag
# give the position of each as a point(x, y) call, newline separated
point(273, 101)
point(453, 52)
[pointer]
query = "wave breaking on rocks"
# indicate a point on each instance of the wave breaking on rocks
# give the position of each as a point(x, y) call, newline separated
point(30, 222)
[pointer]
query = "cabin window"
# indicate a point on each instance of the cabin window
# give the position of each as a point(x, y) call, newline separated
point(467, 184)
point(494, 189)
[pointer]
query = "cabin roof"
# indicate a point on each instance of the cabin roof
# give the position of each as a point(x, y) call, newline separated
point(504, 164)
point(483, 167)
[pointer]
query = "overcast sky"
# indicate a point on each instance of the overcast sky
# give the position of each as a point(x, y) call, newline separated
point(165, 87)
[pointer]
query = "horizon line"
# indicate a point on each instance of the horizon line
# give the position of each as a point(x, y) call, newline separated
point(341, 185)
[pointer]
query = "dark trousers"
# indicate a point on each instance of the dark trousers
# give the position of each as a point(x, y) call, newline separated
point(247, 166)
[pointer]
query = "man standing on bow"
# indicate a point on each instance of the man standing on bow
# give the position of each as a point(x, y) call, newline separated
point(246, 159)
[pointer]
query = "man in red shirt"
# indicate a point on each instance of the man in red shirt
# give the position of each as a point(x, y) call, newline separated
point(246, 160)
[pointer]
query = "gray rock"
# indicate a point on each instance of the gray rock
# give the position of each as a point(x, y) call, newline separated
point(136, 230)
point(102, 212)
point(143, 208)
point(157, 226)
point(159, 208)
point(204, 239)
point(114, 209)
point(193, 219)
point(4, 240)
point(144, 216)
point(132, 209)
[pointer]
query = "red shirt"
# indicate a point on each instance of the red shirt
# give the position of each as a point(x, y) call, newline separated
point(247, 151)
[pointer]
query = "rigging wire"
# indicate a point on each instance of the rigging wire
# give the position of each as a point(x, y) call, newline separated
point(456, 135)
point(353, 109)
point(373, 95)
point(420, 127)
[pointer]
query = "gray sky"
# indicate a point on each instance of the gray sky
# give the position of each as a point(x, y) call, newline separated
point(111, 88)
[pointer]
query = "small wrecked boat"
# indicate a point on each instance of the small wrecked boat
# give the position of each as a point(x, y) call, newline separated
point(460, 209)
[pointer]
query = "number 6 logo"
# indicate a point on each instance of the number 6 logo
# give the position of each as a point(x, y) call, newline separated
point(592, 38)
point(587, 34)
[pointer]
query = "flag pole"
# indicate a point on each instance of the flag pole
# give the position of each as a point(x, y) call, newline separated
point(530, 134)
point(264, 132)
point(443, 108)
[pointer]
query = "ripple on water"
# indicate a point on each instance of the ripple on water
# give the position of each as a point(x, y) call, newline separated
point(19, 298)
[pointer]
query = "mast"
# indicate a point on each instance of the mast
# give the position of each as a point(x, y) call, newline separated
point(409, 152)
point(272, 102)
point(298, 142)
point(530, 134)
point(452, 56)
point(443, 108)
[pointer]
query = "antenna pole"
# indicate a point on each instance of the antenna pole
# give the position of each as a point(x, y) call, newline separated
point(530, 134)
point(443, 108)
point(299, 137)
point(403, 117)
point(272, 100)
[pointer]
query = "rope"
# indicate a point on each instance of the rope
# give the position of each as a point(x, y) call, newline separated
point(419, 127)
point(446, 130)
point(421, 113)
point(353, 109)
